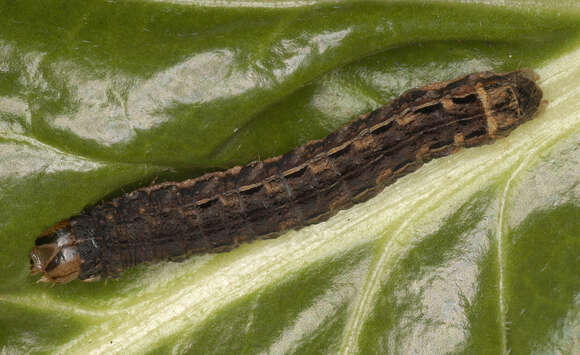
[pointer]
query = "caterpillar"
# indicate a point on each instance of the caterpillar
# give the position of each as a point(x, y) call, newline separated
point(220, 210)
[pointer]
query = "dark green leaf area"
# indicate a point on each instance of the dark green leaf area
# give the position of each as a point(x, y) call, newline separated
point(304, 314)
point(543, 282)
point(39, 331)
point(441, 295)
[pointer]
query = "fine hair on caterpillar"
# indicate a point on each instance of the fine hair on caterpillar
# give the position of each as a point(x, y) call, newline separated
point(220, 210)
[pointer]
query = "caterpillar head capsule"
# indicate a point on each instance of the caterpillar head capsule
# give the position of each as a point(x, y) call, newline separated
point(512, 105)
point(528, 93)
point(55, 255)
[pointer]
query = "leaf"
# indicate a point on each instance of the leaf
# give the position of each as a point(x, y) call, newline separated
point(474, 253)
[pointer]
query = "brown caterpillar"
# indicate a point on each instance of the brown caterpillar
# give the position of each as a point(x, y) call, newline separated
point(218, 211)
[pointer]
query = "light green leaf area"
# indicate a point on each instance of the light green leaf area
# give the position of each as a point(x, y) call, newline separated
point(476, 252)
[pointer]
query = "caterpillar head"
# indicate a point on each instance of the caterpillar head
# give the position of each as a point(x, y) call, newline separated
point(55, 255)
point(513, 104)
point(528, 93)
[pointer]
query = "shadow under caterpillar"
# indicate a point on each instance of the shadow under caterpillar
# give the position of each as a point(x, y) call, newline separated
point(219, 210)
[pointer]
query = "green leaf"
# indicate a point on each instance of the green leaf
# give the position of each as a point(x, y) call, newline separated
point(473, 253)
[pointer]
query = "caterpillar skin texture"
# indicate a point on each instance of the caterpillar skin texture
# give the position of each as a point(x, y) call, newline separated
point(220, 210)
